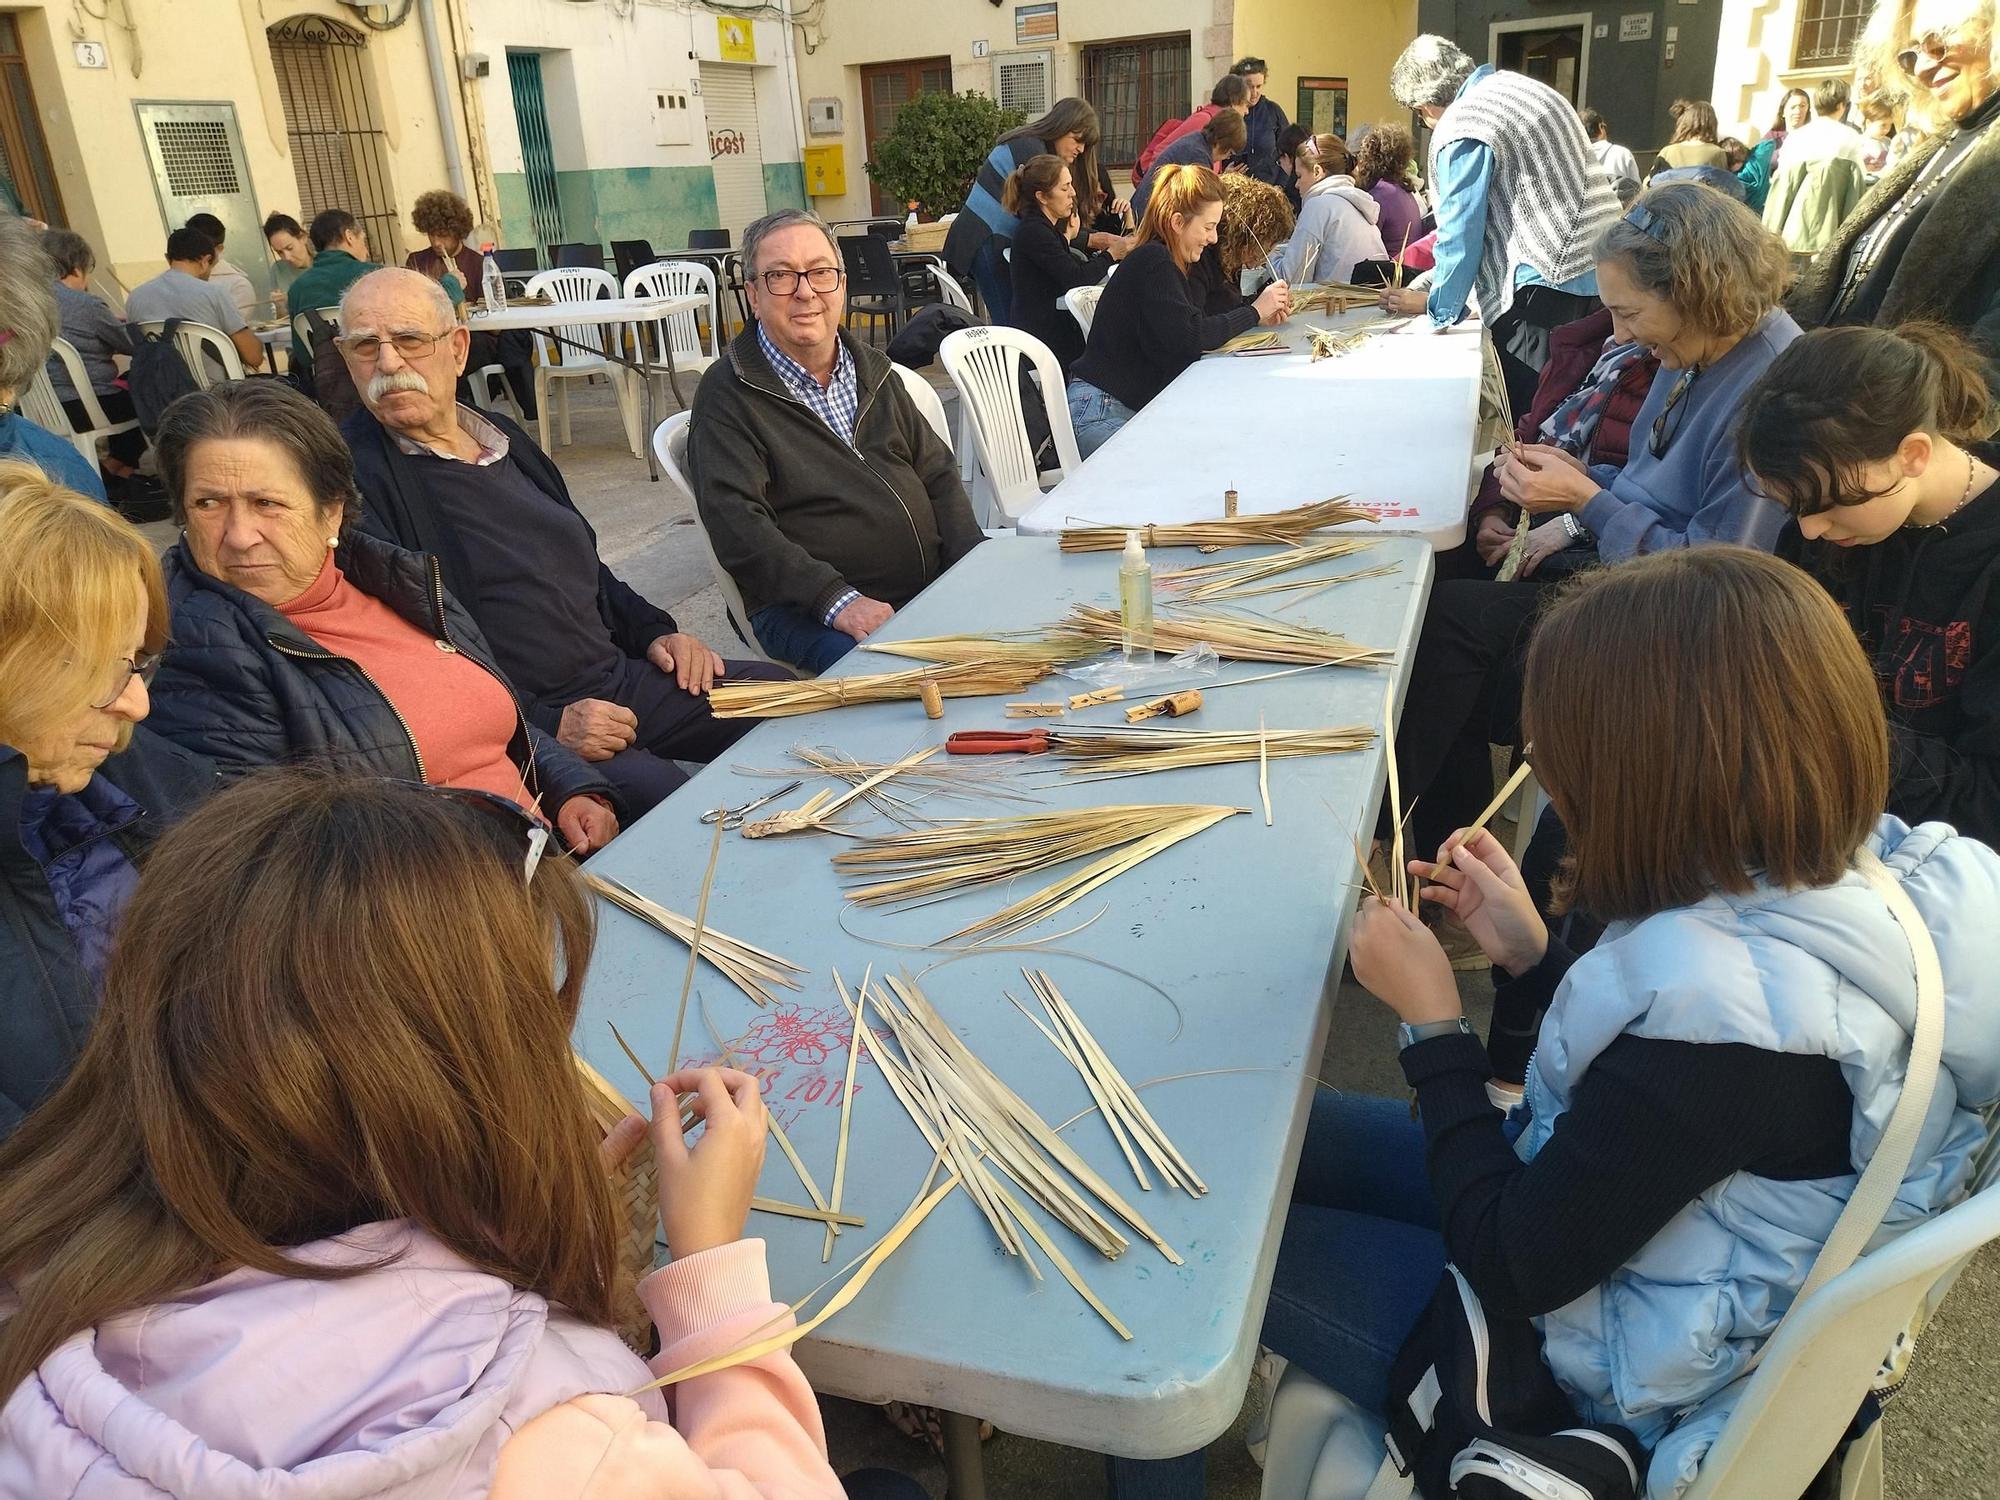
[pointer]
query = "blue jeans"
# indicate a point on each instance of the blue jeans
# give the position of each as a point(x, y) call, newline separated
point(1095, 415)
point(1360, 1257)
point(995, 280)
point(796, 635)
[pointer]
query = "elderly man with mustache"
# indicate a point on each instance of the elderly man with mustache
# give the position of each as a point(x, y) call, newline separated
point(604, 670)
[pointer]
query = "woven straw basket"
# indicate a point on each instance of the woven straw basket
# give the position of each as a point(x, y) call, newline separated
point(635, 1189)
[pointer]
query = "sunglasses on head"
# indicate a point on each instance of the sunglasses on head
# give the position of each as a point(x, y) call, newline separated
point(519, 827)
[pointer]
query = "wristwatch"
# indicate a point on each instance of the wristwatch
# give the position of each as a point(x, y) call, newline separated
point(1406, 1033)
point(1574, 529)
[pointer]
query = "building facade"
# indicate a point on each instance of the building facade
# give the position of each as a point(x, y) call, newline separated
point(231, 107)
point(1772, 46)
point(1629, 61)
point(633, 119)
point(1139, 62)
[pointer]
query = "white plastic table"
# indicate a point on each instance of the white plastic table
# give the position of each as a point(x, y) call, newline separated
point(546, 317)
point(1390, 425)
point(1244, 926)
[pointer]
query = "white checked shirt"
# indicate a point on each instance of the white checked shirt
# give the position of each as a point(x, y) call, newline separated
point(837, 405)
point(491, 440)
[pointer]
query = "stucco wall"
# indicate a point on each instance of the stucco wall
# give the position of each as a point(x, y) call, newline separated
point(857, 32)
point(1306, 38)
point(600, 72)
point(209, 51)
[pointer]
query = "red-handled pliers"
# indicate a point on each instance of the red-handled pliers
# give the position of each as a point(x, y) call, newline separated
point(998, 742)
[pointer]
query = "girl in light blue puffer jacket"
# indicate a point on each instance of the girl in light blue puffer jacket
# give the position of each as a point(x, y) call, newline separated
point(1711, 1078)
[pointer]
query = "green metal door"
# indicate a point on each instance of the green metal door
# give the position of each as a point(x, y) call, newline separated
point(538, 158)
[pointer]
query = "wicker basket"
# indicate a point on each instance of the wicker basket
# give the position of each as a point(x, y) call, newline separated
point(926, 237)
point(635, 1189)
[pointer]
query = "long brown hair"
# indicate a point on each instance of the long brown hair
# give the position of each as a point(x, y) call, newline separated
point(1694, 120)
point(332, 1002)
point(1697, 715)
point(1839, 399)
point(1078, 117)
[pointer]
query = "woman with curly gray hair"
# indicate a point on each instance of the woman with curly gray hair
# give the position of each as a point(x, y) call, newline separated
point(1520, 200)
point(28, 325)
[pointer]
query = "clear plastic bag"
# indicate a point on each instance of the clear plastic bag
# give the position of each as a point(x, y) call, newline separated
point(1197, 664)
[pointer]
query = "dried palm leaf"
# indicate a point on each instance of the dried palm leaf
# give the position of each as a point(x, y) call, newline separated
point(965, 853)
point(1116, 1099)
point(1250, 343)
point(1223, 579)
point(1328, 342)
point(1236, 637)
point(1133, 749)
point(1049, 648)
point(777, 700)
point(821, 806)
point(975, 780)
point(750, 968)
point(1285, 527)
point(1332, 297)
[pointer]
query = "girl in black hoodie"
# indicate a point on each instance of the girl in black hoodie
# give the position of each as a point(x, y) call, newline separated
point(1876, 440)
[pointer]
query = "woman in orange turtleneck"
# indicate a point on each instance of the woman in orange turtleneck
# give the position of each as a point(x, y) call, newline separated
point(296, 638)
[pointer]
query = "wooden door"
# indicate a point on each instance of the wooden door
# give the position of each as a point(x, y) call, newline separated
point(885, 89)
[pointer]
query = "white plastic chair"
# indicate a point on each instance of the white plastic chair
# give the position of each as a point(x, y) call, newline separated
point(949, 289)
point(40, 406)
point(929, 402)
point(99, 425)
point(680, 331)
point(1082, 304)
point(984, 363)
point(1793, 1410)
point(670, 448)
point(205, 348)
point(490, 389)
point(564, 362)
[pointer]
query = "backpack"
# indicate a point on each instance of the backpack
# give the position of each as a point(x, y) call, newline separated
point(159, 376)
point(331, 384)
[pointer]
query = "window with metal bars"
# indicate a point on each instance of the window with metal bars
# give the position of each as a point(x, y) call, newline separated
point(340, 156)
point(1827, 29)
point(1135, 87)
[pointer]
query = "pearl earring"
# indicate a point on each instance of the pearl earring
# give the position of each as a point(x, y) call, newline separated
point(332, 542)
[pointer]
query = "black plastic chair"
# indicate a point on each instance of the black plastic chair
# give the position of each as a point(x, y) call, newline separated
point(628, 255)
point(579, 255)
point(874, 288)
point(518, 262)
point(708, 239)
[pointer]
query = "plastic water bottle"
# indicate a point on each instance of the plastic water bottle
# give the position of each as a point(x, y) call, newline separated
point(492, 284)
point(910, 224)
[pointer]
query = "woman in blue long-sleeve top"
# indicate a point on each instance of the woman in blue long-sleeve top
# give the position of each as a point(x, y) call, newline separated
point(1693, 276)
point(1521, 200)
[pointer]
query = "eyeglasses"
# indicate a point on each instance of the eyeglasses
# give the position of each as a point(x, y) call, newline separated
point(410, 345)
point(530, 833)
point(785, 283)
point(145, 666)
point(1667, 425)
point(1933, 44)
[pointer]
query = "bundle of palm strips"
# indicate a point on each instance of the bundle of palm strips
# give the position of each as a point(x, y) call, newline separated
point(778, 700)
point(1235, 637)
point(1284, 527)
point(965, 853)
point(1132, 750)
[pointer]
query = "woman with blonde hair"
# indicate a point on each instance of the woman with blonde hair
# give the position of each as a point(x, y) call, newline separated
point(323, 1205)
point(83, 792)
point(1925, 243)
point(1149, 324)
point(1339, 222)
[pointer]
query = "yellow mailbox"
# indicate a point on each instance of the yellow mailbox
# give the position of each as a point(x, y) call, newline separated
point(826, 171)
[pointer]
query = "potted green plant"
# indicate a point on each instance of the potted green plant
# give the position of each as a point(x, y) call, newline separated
point(935, 149)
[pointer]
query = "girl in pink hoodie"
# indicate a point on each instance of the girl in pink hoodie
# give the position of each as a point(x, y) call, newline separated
point(321, 1214)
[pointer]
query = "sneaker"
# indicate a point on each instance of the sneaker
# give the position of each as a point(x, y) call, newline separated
point(1264, 1375)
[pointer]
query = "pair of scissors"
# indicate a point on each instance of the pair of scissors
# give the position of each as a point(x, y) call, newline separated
point(732, 817)
point(997, 742)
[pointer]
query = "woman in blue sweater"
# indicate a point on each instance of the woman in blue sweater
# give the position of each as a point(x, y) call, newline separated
point(1695, 277)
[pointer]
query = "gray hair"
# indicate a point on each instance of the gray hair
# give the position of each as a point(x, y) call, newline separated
point(415, 281)
point(770, 224)
point(70, 251)
point(28, 322)
point(1431, 71)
